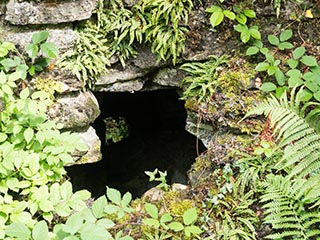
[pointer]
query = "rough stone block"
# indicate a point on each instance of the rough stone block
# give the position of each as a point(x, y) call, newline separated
point(48, 12)
point(76, 111)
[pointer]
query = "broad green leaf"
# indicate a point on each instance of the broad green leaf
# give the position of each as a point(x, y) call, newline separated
point(285, 35)
point(15, 76)
point(268, 87)
point(216, 18)
point(24, 94)
point(280, 77)
point(49, 50)
point(92, 231)
point(285, 45)
point(40, 231)
point(309, 61)
point(294, 73)
point(6, 89)
point(66, 190)
point(255, 33)
point(82, 195)
point(176, 226)
point(152, 210)
point(126, 199)
point(98, 207)
point(192, 230)
point(298, 52)
point(292, 63)
point(106, 223)
point(32, 50)
point(304, 95)
point(295, 81)
point(166, 218)
point(312, 86)
point(8, 45)
point(3, 77)
point(114, 195)
point(73, 224)
point(262, 66)
point(151, 222)
point(3, 137)
point(40, 37)
point(111, 209)
point(213, 8)
point(252, 51)
point(241, 18)
point(28, 134)
point(190, 216)
point(46, 205)
point(18, 230)
point(229, 14)
point(273, 40)
point(245, 36)
point(249, 13)
point(317, 96)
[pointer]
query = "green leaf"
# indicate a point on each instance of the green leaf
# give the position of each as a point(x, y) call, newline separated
point(28, 134)
point(268, 87)
point(3, 137)
point(6, 89)
point(98, 206)
point(73, 224)
point(32, 50)
point(190, 216)
point(262, 66)
point(285, 45)
point(229, 14)
point(304, 95)
point(66, 190)
point(216, 18)
point(252, 51)
point(280, 77)
point(46, 205)
point(317, 96)
point(245, 36)
point(292, 63)
point(166, 218)
point(273, 40)
point(295, 82)
point(249, 13)
point(255, 33)
point(285, 35)
point(298, 52)
point(24, 94)
point(126, 199)
point(213, 8)
point(294, 73)
point(40, 231)
point(18, 230)
point(309, 61)
point(176, 226)
point(114, 195)
point(192, 230)
point(241, 18)
point(49, 50)
point(40, 37)
point(152, 210)
point(151, 222)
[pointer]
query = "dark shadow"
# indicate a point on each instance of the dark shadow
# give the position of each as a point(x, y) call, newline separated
point(157, 139)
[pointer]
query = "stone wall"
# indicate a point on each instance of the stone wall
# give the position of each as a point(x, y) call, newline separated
point(77, 109)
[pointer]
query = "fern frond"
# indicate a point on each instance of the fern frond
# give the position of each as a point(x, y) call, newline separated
point(296, 131)
point(286, 207)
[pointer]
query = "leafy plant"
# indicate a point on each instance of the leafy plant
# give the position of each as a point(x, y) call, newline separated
point(201, 83)
point(167, 228)
point(291, 195)
point(161, 178)
point(162, 26)
point(246, 33)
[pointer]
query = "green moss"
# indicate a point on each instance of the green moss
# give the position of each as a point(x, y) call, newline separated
point(48, 85)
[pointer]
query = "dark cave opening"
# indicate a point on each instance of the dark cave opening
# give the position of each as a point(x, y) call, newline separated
point(157, 139)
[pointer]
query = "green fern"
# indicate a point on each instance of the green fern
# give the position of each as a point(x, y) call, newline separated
point(286, 207)
point(202, 82)
point(295, 129)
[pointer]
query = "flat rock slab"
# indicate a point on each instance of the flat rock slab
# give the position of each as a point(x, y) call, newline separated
point(48, 11)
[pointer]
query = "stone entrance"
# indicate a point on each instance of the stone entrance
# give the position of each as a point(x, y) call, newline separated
point(156, 139)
